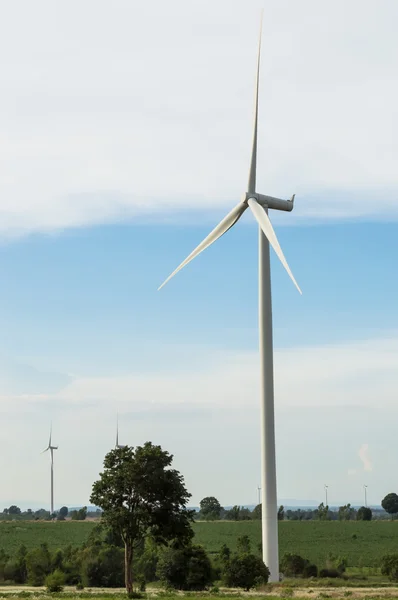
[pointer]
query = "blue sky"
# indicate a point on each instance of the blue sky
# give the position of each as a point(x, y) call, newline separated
point(116, 159)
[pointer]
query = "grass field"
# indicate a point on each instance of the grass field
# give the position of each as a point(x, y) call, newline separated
point(362, 543)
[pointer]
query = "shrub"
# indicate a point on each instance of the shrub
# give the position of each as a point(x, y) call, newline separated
point(103, 566)
point(389, 566)
point(38, 563)
point(332, 573)
point(310, 570)
point(55, 581)
point(243, 544)
point(146, 564)
point(186, 568)
point(292, 565)
point(246, 571)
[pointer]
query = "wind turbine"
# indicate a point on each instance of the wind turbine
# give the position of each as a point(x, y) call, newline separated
point(117, 434)
point(51, 448)
point(259, 205)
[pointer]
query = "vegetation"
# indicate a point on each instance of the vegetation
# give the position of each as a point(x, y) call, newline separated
point(146, 529)
point(389, 566)
point(142, 498)
point(364, 514)
point(187, 568)
point(363, 543)
point(390, 504)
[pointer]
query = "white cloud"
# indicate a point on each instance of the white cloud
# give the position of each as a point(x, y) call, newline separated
point(138, 110)
point(208, 417)
point(363, 454)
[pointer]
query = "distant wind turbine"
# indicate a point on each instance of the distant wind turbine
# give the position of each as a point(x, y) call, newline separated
point(259, 205)
point(117, 434)
point(51, 448)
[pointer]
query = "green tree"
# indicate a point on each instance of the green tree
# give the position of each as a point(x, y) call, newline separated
point(257, 512)
point(245, 571)
point(364, 514)
point(14, 510)
point(281, 513)
point(141, 497)
point(63, 513)
point(4, 558)
point(390, 504)
point(210, 508)
point(55, 581)
point(233, 513)
point(323, 512)
point(38, 563)
point(346, 512)
point(102, 565)
point(243, 544)
point(57, 560)
point(187, 568)
point(79, 515)
point(292, 564)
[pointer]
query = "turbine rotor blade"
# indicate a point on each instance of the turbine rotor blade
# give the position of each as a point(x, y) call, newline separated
point(228, 222)
point(45, 450)
point(263, 220)
point(251, 186)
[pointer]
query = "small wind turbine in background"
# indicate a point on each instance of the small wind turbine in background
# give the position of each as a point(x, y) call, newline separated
point(326, 494)
point(259, 205)
point(51, 448)
point(117, 434)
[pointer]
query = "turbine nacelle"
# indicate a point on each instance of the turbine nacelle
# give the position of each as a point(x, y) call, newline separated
point(270, 201)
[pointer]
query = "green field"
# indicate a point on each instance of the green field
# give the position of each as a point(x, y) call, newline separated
point(362, 543)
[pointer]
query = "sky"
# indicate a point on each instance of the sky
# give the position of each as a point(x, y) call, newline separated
point(125, 136)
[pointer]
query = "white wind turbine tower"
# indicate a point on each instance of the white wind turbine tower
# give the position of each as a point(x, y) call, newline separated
point(117, 434)
point(259, 205)
point(51, 448)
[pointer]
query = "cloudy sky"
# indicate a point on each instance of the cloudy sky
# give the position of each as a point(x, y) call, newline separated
point(125, 133)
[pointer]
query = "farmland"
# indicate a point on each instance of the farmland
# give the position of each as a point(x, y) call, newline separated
point(362, 543)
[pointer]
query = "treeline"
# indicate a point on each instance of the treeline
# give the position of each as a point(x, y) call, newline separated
point(211, 510)
point(15, 513)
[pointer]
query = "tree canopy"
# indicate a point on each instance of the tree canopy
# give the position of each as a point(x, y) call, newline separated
point(364, 514)
point(390, 503)
point(141, 497)
point(210, 507)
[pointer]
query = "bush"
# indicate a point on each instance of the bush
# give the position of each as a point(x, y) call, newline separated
point(185, 568)
point(389, 566)
point(146, 564)
point(55, 581)
point(332, 573)
point(243, 544)
point(246, 571)
point(310, 570)
point(292, 565)
point(103, 566)
point(38, 564)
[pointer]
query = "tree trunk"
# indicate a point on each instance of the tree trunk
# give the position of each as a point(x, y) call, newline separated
point(128, 563)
